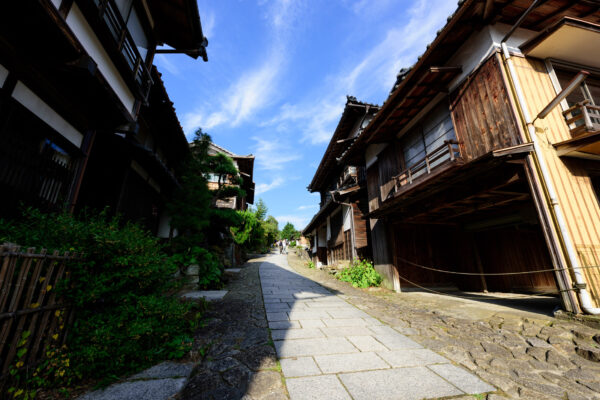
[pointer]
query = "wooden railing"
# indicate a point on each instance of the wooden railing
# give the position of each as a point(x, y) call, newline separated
point(449, 151)
point(32, 316)
point(109, 13)
point(583, 117)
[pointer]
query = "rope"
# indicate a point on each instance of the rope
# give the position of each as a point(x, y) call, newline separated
point(491, 273)
point(479, 298)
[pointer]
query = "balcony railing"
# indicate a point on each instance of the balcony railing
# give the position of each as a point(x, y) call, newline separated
point(125, 45)
point(448, 152)
point(583, 118)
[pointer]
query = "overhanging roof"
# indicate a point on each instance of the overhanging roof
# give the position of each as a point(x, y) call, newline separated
point(353, 112)
point(177, 24)
point(570, 39)
point(470, 17)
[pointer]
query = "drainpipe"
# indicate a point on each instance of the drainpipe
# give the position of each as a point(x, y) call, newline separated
point(556, 214)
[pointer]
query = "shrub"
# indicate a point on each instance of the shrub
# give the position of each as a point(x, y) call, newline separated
point(210, 270)
point(125, 319)
point(310, 265)
point(360, 274)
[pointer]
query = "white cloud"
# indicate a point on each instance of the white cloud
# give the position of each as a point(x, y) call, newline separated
point(164, 62)
point(256, 88)
point(265, 187)
point(208, 23)
point(272, 155)
point(298, 221)
point(308, 207)
point(376, 70)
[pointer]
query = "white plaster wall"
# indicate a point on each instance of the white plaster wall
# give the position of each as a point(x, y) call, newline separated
point(37, 106)
point(56, 3)
point(82, 30)
point(372, 151)
point(164, 226)
point(316, 241)
point(347, 216)
point(480, 45)
point(328, 228)
point(322, 237)
point(3, 75)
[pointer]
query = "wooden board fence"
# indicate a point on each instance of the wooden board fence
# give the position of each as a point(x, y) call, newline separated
point(29, 306)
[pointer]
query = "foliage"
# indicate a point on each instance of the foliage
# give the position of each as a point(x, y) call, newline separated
point(210, 270)
point(124, 318)
point(310, 265)
point(271, 228)
point(289, 232)
point(250, 233)
point(261, 210)
point(360, 274)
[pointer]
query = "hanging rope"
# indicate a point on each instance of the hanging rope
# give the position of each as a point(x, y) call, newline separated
point(479, 297)
point(490, 273)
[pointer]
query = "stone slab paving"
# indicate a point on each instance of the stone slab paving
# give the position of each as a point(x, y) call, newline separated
point(330, 349)
point(208, 295)
point(160, 382)
point(525, 355)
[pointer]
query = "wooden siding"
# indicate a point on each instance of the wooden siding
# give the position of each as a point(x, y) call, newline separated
point(571, 177)
point(337, 234)
point(454, 249)
point(373, 187)
point(360, 225)
point(482, 114)
point(388, 168)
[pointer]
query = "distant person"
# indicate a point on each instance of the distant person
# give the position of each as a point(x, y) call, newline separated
point(280, 247)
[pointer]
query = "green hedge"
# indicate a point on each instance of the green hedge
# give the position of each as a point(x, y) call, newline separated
point(125, 318)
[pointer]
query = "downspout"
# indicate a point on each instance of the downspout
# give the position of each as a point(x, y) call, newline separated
point(354, 255)
point(538, 157)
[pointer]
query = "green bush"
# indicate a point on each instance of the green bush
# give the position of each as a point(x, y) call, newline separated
point(310, 265)
point(360, 274)
point(125, 319)
point(210, 270)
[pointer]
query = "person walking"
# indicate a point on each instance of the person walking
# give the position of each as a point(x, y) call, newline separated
point(280, 247)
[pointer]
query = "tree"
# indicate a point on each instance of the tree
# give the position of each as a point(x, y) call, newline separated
point(271, 228)
point(261, 210)
point(289, 232)
point(193, 210)
point(249, 233)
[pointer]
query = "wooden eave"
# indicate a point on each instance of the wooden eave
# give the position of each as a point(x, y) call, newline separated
point(59, 70)
point(353, 111)
point(162, 120)
point(585, 146)
point(470, 17)
point(448, 176)
point(318, 218)
point(177, 24)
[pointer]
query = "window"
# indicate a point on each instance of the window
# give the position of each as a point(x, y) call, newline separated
point(427, 137)
point(588, 91)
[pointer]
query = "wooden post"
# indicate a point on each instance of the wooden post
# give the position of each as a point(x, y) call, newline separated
point(479, 264)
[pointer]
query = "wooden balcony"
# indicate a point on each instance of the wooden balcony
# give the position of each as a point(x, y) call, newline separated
point(583, 118)
point(584, 122)
point(431, 165)
point(107, 16)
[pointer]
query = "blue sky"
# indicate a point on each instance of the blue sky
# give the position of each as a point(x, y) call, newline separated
point(277, 77)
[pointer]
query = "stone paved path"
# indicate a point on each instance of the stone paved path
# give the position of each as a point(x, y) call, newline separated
point(329, 349)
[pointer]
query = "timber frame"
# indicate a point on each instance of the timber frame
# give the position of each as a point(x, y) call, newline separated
point(472, 192)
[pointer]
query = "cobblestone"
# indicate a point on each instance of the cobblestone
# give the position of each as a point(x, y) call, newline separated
point(525, 356)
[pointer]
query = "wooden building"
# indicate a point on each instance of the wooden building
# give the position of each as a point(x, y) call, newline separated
point(245, 166)
point(339, 232)
point(84, 117)
point(485, 157)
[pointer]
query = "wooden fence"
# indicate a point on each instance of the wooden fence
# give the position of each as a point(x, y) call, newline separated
point(29, 306)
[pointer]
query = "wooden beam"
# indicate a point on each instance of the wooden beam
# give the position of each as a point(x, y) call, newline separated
point(558, 12)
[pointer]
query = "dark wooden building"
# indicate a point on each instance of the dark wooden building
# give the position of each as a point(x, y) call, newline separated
point(339, 230)
point(471, 166)
point(84, 117)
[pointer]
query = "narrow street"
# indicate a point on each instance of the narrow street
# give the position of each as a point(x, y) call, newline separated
point(330, 349)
